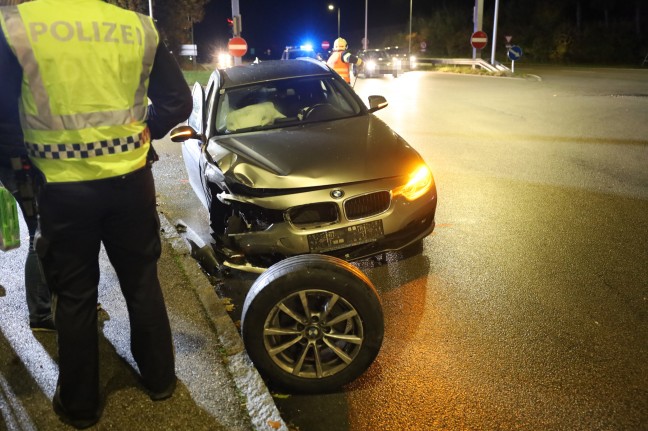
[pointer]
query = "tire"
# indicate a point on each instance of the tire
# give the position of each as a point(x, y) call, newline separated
point(320, 348)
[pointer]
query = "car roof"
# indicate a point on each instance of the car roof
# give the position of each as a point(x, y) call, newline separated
point(272, 70)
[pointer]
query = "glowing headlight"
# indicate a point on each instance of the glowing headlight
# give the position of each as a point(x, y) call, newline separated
point(413, 62)
point(419, 183)
point(224, 60)
point(370, 65)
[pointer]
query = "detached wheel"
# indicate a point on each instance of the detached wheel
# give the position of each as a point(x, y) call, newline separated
point(312, 323)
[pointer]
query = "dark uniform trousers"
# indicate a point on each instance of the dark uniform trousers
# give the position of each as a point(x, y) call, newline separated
point(76, 218)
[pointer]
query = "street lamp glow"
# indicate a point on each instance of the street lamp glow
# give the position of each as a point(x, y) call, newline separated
point(332, 7)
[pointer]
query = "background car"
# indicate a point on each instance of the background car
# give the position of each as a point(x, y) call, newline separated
point(300, 178)
point(378, 62)
point(407, 61)
point(293, 52)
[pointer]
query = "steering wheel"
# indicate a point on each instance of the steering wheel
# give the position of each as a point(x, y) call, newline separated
point(306, 112)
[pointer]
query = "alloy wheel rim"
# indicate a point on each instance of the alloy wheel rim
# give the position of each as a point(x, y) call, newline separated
point(313, 334)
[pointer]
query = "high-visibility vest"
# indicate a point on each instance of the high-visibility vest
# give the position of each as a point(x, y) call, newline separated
point(86, 67)
point(337, 63)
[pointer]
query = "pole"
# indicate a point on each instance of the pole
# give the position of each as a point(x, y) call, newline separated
point(477, 21)
point(409, 46)
point(364, 42)
point(493, 43)
point(236, 12)
point(338, 21)
point(151, 8)
point(193, 44)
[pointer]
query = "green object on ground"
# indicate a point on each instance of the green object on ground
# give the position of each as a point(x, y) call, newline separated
point(9, 224)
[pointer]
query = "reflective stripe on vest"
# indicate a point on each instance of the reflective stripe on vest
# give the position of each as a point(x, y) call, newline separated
point(84, 151)
point(340, 66)
point(45, 120)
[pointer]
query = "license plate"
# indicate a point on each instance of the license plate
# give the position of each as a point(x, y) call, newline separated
point(345, 237)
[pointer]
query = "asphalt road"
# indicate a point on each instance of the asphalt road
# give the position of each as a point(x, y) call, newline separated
point(528, 308)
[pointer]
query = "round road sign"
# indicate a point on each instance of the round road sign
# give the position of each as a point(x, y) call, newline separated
point(479, 39)
point(325, 45)
point(514, 53)
point(237, 46)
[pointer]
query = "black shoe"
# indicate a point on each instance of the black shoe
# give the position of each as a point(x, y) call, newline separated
point(66, 418)
point(46, 325)
point(164, 393)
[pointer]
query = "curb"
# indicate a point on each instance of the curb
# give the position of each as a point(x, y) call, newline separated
point(259, 404)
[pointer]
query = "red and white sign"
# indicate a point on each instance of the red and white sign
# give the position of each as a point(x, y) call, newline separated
point(479, 39)
point(325, 45)
point(237, 46)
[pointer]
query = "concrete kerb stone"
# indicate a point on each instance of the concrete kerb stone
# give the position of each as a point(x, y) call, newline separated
point(263, 412)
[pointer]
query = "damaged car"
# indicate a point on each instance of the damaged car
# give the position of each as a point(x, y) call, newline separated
point(288, 160)
point(300, 178)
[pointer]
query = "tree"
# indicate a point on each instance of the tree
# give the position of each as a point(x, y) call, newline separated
point(174, 18)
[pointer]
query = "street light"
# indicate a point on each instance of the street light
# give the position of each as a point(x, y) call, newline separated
point(332, 7)
point(409, 46)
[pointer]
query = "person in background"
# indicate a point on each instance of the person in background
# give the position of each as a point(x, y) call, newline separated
point(15, 168)
point(341, 59)
point(82, 73)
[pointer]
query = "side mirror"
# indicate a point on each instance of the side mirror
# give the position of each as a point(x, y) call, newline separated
point(376, 103)
point(182, 133)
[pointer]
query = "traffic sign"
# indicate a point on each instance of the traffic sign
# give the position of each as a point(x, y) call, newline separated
point(325, 45)
point(237, 46)
point(514, 53)
point(479, 39)
point(189, 50)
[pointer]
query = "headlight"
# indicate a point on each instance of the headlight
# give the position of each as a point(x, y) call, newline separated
point(370, 65)
point(224, 60)
point(413, 61)
point(419, 183)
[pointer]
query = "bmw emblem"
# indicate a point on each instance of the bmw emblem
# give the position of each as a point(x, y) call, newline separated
point(337, 194)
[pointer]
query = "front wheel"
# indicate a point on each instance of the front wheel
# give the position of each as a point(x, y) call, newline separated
point(312, 323)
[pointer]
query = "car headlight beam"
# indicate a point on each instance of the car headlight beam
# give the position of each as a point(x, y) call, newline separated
point(419, 183)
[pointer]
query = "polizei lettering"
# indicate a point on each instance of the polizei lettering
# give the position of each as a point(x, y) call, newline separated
point(106, 32)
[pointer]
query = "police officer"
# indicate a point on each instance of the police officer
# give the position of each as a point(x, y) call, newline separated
point(86, 70)
point(341, 59)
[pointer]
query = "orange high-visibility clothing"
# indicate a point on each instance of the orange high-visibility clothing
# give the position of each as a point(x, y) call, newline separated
point(337, 62)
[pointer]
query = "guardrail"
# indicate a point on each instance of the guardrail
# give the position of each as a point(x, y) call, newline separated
point(479, 62)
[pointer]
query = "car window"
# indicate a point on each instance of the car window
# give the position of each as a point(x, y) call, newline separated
point(196, 119)
point(283, 103)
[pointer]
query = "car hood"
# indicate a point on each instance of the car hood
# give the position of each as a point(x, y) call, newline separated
point(315, 154)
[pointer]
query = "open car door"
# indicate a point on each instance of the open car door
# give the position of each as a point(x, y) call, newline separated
point(192, 148)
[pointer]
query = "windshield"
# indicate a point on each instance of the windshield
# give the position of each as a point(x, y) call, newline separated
point(375, 55)
point(283, 103)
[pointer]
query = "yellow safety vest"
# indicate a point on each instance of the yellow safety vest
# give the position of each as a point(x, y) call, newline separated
point(86, 67)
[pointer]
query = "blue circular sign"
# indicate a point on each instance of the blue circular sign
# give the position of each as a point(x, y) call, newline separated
point(514, 52)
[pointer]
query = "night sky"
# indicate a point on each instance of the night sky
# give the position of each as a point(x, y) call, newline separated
point(273, 24)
